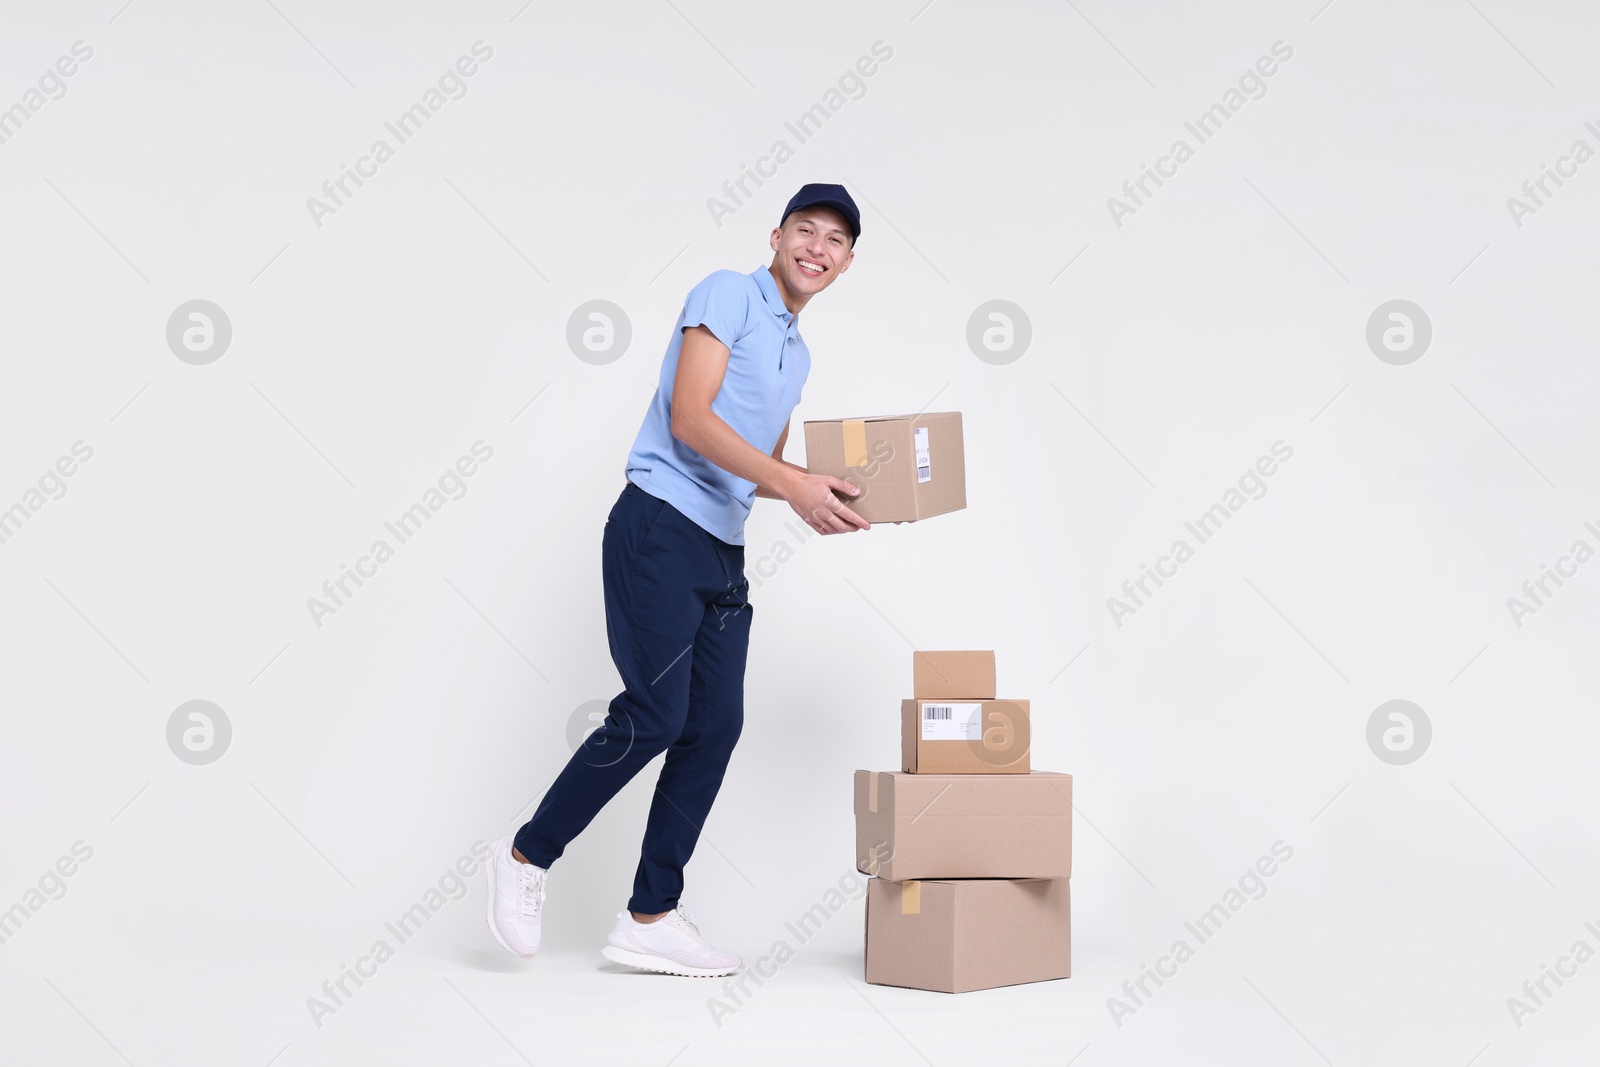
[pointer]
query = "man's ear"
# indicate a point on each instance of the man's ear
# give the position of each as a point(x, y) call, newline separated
point(773, 242)
point(849, 259)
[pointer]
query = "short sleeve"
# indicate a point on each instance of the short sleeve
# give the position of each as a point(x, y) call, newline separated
point(720, 303)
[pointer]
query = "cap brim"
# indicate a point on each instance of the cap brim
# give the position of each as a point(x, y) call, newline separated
point(838, 205)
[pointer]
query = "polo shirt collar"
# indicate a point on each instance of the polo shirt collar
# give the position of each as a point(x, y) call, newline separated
point(769, 289)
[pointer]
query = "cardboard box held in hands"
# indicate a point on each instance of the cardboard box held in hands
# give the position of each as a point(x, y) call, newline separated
point(908, 467)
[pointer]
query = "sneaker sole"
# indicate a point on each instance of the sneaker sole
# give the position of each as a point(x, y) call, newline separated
point(661, 964)
point(493, 929)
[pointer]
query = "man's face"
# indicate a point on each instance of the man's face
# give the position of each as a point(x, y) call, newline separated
point(813, 247)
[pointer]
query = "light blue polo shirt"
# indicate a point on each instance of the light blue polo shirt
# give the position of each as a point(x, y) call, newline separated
point(767, 367)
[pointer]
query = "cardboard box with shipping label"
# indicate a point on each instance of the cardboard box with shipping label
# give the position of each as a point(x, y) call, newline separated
point(964, 736)
point(966, 675)
point(963, 825)
point(956, 935)
point(908, 467)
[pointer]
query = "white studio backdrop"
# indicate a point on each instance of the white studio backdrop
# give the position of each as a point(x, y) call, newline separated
point(1360, 269)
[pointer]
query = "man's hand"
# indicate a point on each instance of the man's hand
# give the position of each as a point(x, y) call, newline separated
point(811, 497)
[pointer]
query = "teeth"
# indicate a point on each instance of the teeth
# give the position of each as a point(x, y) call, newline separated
point(817, 267)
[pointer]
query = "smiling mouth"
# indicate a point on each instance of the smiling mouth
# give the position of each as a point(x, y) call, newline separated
point(810, 267)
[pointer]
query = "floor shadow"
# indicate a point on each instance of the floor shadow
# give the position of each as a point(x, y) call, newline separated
point(609, 967)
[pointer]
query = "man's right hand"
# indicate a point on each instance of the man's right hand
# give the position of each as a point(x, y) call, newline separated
point(811, 497)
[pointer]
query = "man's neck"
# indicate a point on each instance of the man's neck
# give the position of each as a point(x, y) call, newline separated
point(793, 301)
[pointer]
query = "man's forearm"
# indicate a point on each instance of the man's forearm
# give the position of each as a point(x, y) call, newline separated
point(778, 496)
point(720, 443)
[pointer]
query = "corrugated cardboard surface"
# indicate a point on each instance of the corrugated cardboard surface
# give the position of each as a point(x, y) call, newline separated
point(953, 675)
point(946, 490)
point(1007, 736)
point(967, 934)
point(879, 455)
point(963, 825)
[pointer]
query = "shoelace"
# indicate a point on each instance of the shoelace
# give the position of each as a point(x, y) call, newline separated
point(683, 921)
point(532, 889)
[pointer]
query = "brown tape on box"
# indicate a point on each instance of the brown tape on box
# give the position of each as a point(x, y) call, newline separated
point(910, 898)
point(855, 442)
point(872, 792)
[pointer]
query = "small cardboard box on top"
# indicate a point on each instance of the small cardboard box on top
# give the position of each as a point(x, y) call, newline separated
point(954, 724)
point(956, 935)
point(908, 467)
point(963, 825)
point(966, 675)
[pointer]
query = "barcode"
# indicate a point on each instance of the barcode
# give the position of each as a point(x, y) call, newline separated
point(924, 472)
point(936, 712)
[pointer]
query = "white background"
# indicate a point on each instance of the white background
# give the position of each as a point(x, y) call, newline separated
point(1167, 354)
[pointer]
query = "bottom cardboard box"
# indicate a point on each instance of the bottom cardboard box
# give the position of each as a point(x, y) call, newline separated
point(952, 935)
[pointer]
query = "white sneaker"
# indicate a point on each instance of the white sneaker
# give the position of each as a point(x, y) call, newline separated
point(671, 945)
point(516, 900)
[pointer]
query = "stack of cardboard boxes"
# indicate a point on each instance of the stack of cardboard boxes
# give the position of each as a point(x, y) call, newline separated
point(970, 849)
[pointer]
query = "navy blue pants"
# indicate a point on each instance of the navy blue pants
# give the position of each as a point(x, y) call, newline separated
point(678, 620)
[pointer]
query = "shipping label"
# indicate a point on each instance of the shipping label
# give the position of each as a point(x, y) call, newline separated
point(952, 722)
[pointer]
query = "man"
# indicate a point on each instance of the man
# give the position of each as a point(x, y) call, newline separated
point(677, 613)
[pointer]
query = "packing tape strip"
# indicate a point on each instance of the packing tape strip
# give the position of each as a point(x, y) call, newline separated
point(855, 443)
point(910, 898)
point(872, 791)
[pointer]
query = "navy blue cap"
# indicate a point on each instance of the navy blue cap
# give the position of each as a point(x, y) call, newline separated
point(834, 196)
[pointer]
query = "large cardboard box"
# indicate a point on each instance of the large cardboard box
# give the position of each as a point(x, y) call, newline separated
point(908, 467)
point(953, 675)
point(964, 736)
point(963, 825)
point(955, 935)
